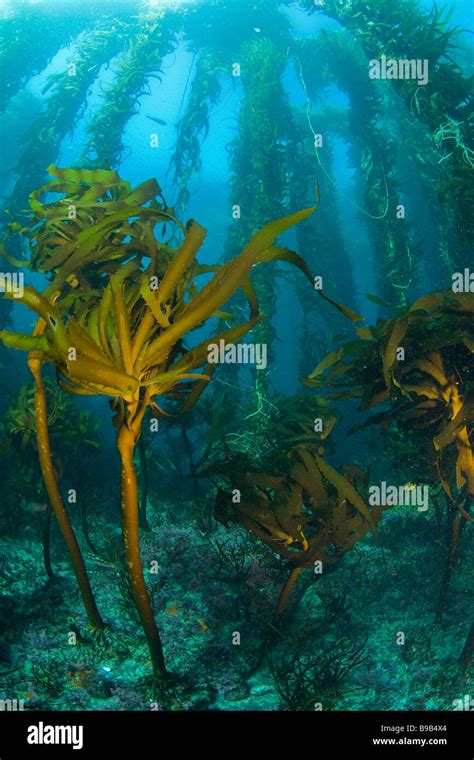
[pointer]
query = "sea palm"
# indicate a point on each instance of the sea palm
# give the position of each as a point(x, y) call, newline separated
point(125, 341)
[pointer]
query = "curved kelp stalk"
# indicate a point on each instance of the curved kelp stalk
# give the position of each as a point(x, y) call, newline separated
point(49, 477)
point(143, 520)
point(124, 340)
point(22, 439)
point(69, 92)
point(153, 40)
point(193, 127)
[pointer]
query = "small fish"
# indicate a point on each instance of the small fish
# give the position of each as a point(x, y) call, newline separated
point(257, 29)
point(158, 121)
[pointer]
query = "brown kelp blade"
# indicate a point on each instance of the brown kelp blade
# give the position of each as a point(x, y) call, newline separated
point(224, 283)
point(184, 255)
point(37, 303)
point(346, 489)
point(24, 342)
point(277, 253)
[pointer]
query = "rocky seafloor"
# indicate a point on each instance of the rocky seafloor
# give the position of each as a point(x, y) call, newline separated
point(361, 636)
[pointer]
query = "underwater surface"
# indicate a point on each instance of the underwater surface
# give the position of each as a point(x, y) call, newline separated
point(236, 355)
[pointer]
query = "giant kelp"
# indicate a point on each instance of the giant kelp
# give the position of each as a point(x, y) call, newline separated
point(27, 44)
point(153, 40)
point(335, 56)
point(322, 245)
point(264, 438)
point(71, 431)
point(123, 338)
point(104, 249)
point(93, 219)
point(63, 106)
point(405, 30)
point(258, 152)
point(20, 420)
point(431, 380)
point(193, 126)
point(257, 162)
point(423, 171)
point(401, 29)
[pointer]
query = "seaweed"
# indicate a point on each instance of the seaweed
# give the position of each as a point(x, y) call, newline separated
point(419, 365)
point(43, 138)
point(257, 161)
point(308, 513)
point(335, 57)
point(154, 38)
point(124, 339)
point(193, 126)
point(307, 682)
point(28, 41)
point(20, 421)
point(404, 30)
point(433, 383)
point(265, 435)
point(322, 245)
point(97, 223)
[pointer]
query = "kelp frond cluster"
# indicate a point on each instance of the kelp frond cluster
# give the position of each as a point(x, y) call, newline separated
point(310, 513)
point(113, 322)
point(420, 364)
point(96, 222)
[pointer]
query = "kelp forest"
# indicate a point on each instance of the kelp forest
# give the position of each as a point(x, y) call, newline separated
point(236, 355)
